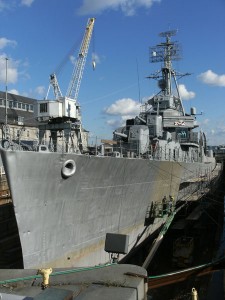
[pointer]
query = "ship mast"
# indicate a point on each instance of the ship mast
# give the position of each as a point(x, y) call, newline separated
point(167, 52)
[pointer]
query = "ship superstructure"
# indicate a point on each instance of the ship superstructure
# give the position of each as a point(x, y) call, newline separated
point(163, 130)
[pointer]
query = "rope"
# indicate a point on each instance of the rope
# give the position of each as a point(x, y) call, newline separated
point(186, 270)
point(158, 240)
point(55, 273)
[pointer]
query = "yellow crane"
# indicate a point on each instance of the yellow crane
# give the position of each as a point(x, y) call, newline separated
point(79, 65)
point(75, 82)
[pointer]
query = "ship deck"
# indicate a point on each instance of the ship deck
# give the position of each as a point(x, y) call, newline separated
point(101, 282)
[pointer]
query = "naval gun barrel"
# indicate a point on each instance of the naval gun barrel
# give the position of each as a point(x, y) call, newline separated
point(120, 134)
point(142, 120)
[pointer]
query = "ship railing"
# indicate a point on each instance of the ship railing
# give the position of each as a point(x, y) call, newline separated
point(61, 148)
point(28, 147)
point(10, 144)
point(133, 150)
point(165, 153)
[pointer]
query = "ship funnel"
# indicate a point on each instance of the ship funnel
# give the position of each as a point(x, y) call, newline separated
point(193, 111)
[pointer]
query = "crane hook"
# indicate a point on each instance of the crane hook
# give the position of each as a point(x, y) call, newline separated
point(93, 64)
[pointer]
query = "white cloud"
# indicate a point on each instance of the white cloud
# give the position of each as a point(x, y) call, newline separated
point(184, 93)
point(119, 121)
point(73, 59)
point(114, 123)
point(128, 7)
point(205, 121)
point(211, 78)
point(214, 130)
point(124, 106)
point(216, 136)
point(27, 2)
point(40, 90)
point(25, 94)
point(122, 109)
point(14, 91)
point(4, 42)
point(12, 72)
point(3, 5)
point(9, 5)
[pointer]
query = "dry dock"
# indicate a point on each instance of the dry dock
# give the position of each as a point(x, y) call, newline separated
point(195, 238)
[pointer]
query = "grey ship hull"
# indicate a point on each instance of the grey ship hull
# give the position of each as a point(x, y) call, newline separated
point(63, 222)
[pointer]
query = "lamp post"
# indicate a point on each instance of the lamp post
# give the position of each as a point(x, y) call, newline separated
point(6, 94)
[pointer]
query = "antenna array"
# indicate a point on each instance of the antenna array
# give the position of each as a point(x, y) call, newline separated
point(167, 50)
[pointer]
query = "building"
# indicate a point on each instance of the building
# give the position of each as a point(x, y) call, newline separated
point(17, 120)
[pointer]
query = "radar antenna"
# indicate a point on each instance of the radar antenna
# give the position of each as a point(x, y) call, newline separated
point(168, 33)
point(166, 51)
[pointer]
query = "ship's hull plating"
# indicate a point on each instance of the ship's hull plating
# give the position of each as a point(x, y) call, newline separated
point(63, 221)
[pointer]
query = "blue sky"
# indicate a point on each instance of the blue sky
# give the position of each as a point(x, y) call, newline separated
point(37, 36)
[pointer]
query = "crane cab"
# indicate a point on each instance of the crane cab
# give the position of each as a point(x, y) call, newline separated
point(63, 107)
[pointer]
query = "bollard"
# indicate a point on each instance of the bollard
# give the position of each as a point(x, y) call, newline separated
point(194, 294)
point(45, 275)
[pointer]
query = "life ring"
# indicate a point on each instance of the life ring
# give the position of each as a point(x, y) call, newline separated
point(68, 168)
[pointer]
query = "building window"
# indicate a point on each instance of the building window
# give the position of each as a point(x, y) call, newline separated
point(28, 133)
point(17, 105)
point(43, 107)
point(20, 120)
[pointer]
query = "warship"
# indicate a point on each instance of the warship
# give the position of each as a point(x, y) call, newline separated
point(66, 201)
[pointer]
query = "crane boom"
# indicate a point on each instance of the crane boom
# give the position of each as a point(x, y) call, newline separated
point(75, 82)
point(55, 85)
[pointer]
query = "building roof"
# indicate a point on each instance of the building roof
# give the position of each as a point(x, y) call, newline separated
point(18, 98)
point(15, 114)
